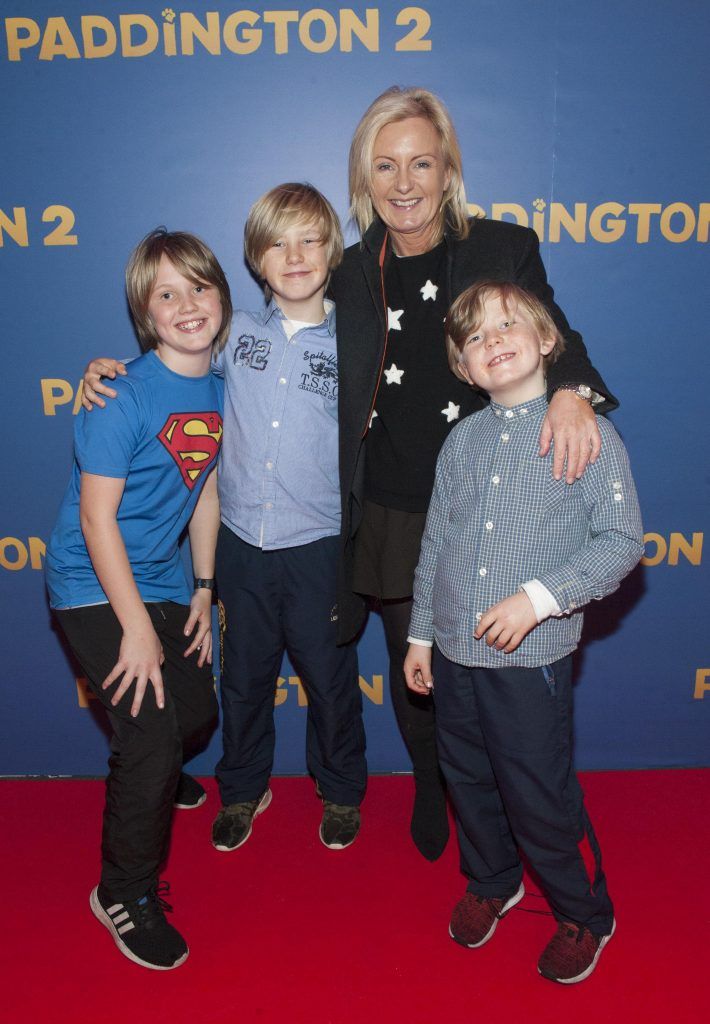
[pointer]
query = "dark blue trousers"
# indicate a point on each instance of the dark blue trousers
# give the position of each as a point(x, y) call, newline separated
point(505, 747)
point(286, 600)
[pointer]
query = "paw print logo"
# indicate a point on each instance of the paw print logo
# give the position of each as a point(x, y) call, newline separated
point(539, 204)
point(169, 14)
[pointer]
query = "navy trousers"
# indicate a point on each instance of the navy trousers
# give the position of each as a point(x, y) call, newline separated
point(505, 748)
point(272, 601)
point(147, 752)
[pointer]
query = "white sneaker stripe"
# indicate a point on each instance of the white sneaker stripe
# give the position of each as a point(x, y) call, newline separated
point(125, 928)
point(114, 909)
point(121, 917)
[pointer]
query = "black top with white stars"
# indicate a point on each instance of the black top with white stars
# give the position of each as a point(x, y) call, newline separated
point(419, 399)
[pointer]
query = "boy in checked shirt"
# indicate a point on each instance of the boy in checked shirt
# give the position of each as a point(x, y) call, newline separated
point(509, 558)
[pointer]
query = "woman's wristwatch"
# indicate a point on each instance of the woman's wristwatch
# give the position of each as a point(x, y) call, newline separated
point(582, 391)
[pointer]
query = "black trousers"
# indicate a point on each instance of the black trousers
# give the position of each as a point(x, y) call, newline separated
point(274, 601)
point(505, 747)
point(147, 752)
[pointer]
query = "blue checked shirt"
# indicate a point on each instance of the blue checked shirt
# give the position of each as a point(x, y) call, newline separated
point(278, 474)
point(498, 518)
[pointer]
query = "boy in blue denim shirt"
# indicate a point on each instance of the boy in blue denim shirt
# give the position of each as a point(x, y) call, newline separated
point(509, 557)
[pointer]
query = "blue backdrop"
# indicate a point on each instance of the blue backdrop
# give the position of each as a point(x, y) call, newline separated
point(582, 118)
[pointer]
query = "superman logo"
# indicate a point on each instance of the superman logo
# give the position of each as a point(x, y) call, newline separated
point(193, 440)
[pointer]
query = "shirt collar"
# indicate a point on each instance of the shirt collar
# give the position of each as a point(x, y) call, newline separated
point(328, 321)
point(533, 408)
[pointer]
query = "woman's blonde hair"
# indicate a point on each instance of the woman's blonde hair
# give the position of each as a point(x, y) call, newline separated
point(397, 104)
point(281, 208)
point(191, 258)
point(467, 312)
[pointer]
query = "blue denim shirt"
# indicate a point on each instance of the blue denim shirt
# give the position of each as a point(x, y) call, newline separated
point(498, 518)
point(278, 472)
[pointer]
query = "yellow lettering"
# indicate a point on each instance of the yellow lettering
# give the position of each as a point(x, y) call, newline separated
point(499, 210)
point(127, 23)
point(169, 39)
point(302, 698)
point(60, 235)
point(702, 685)
point(692, 550)
point(250, 39)
point(475, 210)
point(17, 228)
point(368, 33)
point(575, 226)
point(38, 550)
point(55, 392)
point(21, 33)
point(661, 549)
point(83, 693)
point(374, 692)
point(280, 20)
point(208, 35)
point(610, 232)
point(92, 23)
point(9, 545)
point(703, 221)
point(330, 30)
point(58, 41)
point(414, 39)
point(281, 693)
point(644, 212)
point(689, 222)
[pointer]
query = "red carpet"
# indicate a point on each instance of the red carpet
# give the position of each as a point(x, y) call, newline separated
point(284, 930)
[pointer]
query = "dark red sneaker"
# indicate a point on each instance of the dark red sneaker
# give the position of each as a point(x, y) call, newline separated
point(475, 918)
point(572, 953)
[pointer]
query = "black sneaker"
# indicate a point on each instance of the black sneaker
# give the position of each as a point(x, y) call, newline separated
point(189, 793)
point(339, 826)
point(232, 826)
point(140, 930)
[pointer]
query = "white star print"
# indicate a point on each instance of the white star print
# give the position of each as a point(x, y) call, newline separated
point(451, 412)
point(372, 418)
point(393, 375)
point(393, 316)
point(429, 290)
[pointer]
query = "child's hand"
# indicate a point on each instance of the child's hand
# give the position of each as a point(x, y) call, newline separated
point(139, 658)
point(93, 387)
point(417, 669)
point(506, 624)
point(200, 621)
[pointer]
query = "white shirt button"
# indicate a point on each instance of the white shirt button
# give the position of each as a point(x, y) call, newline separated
point(495, 479)
point(268, 505)
point(282, 380)
point(479, 616)
point(269, 465)
point(489, 525)
point(523, 412)
point(509, 414)
point(482, 571)
point(618, 496)
point(505, 438)
point(275, 423)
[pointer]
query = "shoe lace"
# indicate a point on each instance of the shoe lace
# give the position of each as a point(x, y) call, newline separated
point(153, 906)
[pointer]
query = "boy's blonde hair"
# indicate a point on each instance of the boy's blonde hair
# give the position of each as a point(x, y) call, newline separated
point(191, 258)
point(466, 315)
point(397, 104)
point(284, 207)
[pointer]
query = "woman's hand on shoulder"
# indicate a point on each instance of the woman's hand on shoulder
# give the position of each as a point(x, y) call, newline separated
point(94, 387)
point(571, 424)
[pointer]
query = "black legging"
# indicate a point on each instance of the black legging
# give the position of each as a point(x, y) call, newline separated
point(414, 714)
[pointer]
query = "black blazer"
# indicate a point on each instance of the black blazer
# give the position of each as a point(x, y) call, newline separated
point(494, 250)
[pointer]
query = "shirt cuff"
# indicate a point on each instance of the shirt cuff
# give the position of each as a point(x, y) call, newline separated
point(421, 643)
point(542, 600)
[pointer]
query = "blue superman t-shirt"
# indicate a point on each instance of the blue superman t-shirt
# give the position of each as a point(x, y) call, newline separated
point(162, 434)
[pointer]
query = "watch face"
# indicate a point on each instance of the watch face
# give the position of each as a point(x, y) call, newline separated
point(584, 390)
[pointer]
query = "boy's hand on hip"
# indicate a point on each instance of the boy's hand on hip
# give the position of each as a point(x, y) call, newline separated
point(93, 387)
point(417, 669)
point(571, 424)
point(139, 658)
point(506, 624)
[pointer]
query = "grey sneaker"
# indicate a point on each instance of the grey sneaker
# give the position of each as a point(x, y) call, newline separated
point(339, 826)
point(232, 826)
